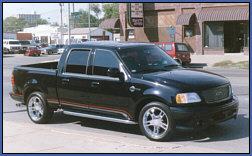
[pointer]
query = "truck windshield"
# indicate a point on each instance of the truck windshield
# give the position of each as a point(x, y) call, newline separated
point(146, 59)
point(181, 47)
point(14, 42)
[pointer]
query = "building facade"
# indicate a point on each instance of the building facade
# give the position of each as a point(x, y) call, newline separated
point(28, 17)
point(47, 33)
point(207, 28)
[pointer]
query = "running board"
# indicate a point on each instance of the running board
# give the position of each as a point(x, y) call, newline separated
point(99, 117)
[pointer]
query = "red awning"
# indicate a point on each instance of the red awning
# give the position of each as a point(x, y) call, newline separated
point(184, 19)
point(224, 14)
point(111, 23)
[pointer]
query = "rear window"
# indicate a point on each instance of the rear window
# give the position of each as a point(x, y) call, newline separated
point(181, 47)
point(167, 47)
point(77, 61)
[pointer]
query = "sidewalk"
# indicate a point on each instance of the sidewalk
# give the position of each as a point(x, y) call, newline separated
point(210, 60)
point(32, 138)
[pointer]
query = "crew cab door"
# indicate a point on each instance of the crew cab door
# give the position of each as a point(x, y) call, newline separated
point(107, 94)
point(73, 83)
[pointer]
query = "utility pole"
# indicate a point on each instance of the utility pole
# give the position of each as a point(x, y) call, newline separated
point(73, 18)
point(61, 23)
point(69, 42)
point(89, 22)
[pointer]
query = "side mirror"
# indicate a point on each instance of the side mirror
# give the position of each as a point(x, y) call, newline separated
point(113, 72)
point(178, 60)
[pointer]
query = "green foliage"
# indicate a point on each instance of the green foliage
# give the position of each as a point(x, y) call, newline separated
point(83, 20)
point(13, 24)
point(111, 10)
point(95, 7)
point(230, 64)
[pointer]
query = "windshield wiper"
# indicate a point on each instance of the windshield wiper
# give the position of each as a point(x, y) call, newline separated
point(150, 70)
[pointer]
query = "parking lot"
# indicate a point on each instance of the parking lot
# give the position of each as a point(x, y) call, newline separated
point(72, 134)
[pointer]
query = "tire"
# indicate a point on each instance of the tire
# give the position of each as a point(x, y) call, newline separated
point(163, 123)
point(41, 113)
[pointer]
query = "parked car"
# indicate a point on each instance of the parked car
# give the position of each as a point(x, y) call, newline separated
point(127, 83)
point(58, 46)
point(35, 43)
point(61, 50)
point(43, 45)
point(25, 44)
point(49, 50)
point(32, 51)
point(5, 50)
point(12, 46)
point(178, 51)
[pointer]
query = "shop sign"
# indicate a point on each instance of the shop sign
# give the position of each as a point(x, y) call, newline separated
point(135, 14)
point(131, 34)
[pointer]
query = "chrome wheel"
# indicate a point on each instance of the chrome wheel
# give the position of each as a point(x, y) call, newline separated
point(35, 108)
point(155, 122)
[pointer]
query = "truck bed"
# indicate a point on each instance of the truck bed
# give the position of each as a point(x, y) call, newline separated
point(41, 75)
point(47, 65)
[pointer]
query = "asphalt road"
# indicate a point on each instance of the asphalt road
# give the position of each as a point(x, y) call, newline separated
point(229, 137)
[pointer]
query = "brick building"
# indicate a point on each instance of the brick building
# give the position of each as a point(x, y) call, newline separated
point(207, 28)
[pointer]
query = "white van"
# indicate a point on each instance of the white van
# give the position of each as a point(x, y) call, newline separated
point(12, 46)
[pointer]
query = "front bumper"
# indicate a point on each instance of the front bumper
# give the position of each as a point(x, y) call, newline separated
point(204, 116)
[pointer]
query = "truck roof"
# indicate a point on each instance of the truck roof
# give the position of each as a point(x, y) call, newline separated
point(108, 44)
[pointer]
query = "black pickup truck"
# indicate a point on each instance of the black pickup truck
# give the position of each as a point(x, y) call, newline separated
point(127, 83)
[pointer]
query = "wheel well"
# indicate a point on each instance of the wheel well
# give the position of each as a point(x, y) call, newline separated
point(28, 92)
point(143, 103)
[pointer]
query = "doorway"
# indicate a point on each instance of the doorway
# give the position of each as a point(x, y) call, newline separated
point(234, 34)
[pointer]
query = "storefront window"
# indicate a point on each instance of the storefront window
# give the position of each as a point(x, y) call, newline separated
point(213, 35)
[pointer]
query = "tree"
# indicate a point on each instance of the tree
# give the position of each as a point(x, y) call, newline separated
point(12, 24)
point(83, 20)
point(96, 9)
point(37, 22)
point(111, 10)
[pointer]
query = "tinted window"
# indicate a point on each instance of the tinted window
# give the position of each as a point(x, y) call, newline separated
point(181, 47)
point(24, 42)
point(167, 47)
point(13, 42)
point(77, 61)
point(103, 61)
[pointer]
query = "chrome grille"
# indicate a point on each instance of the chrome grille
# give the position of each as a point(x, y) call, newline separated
point(217, 94)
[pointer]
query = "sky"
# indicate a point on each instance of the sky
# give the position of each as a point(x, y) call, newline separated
point(48, 11)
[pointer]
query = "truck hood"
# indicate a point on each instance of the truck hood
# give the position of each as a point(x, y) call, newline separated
point(187, 79)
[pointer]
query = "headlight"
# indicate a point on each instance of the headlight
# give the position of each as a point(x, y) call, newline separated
point(187, 98)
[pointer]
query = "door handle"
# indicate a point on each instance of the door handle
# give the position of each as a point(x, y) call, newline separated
point(65, 81)
point(95, 84)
